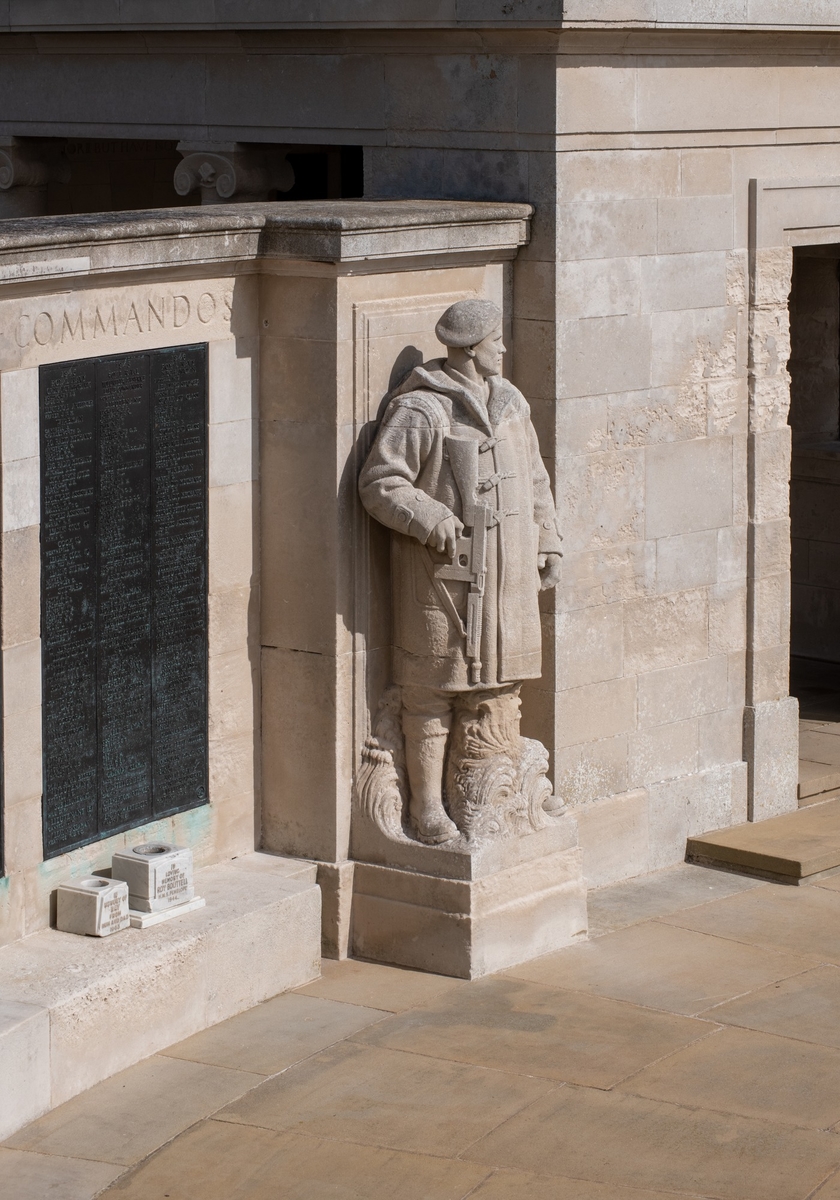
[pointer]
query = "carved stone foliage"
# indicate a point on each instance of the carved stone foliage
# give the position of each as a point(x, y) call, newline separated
point(496, 783)
point(223, 173)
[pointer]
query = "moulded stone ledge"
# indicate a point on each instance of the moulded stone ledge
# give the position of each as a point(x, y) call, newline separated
point(77, 1009)
point(326, 231)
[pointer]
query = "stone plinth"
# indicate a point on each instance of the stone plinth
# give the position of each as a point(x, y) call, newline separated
point(464, 911)
point(75, 1010)
point(158, 875)
point(25, 1055)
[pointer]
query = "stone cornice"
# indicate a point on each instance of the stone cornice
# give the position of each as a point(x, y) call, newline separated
point(341, 231)
point(30, 16)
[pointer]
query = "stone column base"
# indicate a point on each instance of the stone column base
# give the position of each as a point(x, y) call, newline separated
point(493, 908)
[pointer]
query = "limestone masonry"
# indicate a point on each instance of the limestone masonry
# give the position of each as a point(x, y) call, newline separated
point(228, 233)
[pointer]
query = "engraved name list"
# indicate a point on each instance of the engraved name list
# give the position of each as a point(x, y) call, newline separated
point(124, 591)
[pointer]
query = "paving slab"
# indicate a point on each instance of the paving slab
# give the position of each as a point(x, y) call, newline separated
point(658, 895)
point(793, 847)
point(627, 1141)
point(803, 921)
point(829, 1190)
point(221, 1161)
point(752, 1074)
point(26, 1176)
point(275, 1034)
point(381, 1097)
point(806, 1007)
point(130, 1115)
point(374, 985)
point(511, 1025)
point(660, 966)
point(521, 1185)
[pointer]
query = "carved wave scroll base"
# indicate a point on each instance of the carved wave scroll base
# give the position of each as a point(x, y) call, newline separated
point(496, 783)
point(508, 888)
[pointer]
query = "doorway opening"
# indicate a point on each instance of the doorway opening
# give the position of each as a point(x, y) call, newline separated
point(815, 517)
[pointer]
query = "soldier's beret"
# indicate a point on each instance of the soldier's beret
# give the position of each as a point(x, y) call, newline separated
point(468, 322)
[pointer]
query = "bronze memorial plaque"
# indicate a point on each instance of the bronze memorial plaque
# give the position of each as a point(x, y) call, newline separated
point(123, 591)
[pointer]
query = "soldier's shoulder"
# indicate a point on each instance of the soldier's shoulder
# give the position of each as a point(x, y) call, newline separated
point(511, 398)
point(418, 408)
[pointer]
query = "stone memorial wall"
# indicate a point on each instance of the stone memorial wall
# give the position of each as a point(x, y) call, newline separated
point(129, 563)
point(311, 316)
point(186, 402)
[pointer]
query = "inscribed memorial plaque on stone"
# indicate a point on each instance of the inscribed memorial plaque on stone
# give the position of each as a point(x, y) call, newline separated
point(123, 591)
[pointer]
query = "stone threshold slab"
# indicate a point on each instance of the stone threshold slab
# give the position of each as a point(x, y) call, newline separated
point(815, 778)
point(793, 848)
point(75, 1010)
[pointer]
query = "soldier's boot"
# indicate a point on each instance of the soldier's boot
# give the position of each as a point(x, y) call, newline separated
point(425, 755)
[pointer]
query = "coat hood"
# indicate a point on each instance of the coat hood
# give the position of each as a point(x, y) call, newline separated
point(431, 377)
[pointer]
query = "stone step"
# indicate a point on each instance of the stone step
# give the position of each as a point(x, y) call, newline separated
point(815, 778)
point(794, 848)
point(820, 797)
point(74, 1010)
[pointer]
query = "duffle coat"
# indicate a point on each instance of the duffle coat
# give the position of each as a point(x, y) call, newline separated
point(408, 483)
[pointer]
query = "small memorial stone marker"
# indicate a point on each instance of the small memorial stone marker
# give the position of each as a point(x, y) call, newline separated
point(94, 906)
point(159, 875)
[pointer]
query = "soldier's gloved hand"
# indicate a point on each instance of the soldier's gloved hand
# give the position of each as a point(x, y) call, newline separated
point(549, 568)
point(444, 534)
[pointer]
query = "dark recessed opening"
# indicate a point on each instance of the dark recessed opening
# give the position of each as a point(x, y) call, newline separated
point(814, 419)
point(124, 174)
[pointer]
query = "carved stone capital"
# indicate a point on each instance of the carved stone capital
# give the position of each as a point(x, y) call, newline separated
point(231, 172)
point(27, 165)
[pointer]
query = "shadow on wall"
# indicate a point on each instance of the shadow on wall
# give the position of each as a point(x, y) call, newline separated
point(406, 361)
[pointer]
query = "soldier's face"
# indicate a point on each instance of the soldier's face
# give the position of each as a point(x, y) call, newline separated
point(488, 354)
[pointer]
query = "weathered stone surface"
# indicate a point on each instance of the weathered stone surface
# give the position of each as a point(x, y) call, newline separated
point(25, 1054)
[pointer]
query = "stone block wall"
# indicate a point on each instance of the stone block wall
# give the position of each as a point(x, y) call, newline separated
point(650, 626)
point(660, 387)
point(650, 333)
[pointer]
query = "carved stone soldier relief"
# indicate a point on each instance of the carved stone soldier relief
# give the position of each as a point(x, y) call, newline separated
point(455, 472)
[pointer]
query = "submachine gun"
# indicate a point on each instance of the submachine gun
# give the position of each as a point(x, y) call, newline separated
point(469, 562)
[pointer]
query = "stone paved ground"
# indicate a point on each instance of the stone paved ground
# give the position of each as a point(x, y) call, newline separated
point(691, 1049)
